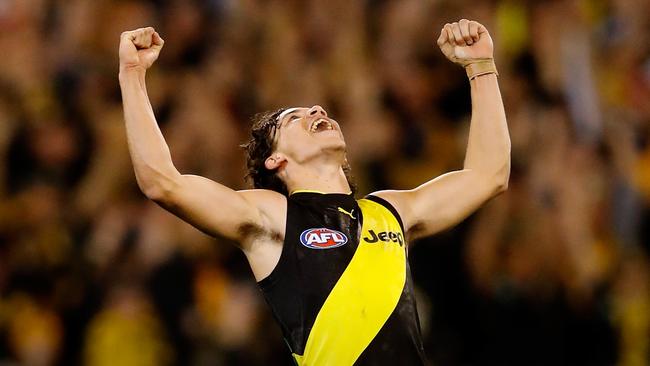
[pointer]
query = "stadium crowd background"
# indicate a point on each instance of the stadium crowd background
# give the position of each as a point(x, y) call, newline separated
point(555, 271)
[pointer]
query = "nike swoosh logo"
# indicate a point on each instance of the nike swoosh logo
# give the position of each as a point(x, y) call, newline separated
point(351, 213)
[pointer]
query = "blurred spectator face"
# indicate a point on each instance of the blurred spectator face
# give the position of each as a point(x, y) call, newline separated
point(304, 133)
point(19, 13)
point(54, 144)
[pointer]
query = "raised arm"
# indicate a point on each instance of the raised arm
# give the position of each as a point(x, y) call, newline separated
point(448, 199)
point(207, 205)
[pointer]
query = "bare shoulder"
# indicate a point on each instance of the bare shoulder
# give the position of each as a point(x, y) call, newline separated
point(400, 200)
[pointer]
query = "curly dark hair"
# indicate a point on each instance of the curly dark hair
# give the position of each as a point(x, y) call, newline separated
point(259, 148)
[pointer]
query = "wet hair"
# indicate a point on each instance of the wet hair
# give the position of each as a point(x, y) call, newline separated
point(261, 145)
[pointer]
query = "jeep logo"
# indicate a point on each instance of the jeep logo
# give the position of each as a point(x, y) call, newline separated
point(385, 236)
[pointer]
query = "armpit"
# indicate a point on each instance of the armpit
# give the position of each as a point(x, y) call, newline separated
point(250, 231)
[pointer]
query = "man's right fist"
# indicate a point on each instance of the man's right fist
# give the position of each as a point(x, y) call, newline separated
point(139, 48)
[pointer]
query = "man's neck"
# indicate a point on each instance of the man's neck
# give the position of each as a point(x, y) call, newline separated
point(325, 178)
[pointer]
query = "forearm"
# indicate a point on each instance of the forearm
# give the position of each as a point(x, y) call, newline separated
point(488, 148)
point(150, 154)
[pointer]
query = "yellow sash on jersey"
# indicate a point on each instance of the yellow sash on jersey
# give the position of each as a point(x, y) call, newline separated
point(363, 298)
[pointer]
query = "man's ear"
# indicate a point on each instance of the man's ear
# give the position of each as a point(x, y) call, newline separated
point(274, 161)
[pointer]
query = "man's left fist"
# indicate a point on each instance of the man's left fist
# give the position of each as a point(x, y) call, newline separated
point(465, 42)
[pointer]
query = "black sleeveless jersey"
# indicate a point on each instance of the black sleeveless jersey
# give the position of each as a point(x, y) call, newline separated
point(342, 290)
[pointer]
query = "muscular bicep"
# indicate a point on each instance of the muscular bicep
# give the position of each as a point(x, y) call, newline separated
point(442, 202)
point(218, 210)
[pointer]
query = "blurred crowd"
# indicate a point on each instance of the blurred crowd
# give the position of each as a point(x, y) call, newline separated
point(555, 271)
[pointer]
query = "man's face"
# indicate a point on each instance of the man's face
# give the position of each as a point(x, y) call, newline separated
point(304, 133)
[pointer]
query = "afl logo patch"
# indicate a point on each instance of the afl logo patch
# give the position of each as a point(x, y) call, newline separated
point(322, 238)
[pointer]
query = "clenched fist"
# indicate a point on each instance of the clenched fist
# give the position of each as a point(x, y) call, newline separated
point(468, 43)
point(139, 48)
point(465, 41)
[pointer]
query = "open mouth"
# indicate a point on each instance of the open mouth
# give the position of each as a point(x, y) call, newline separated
point(321, 125)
